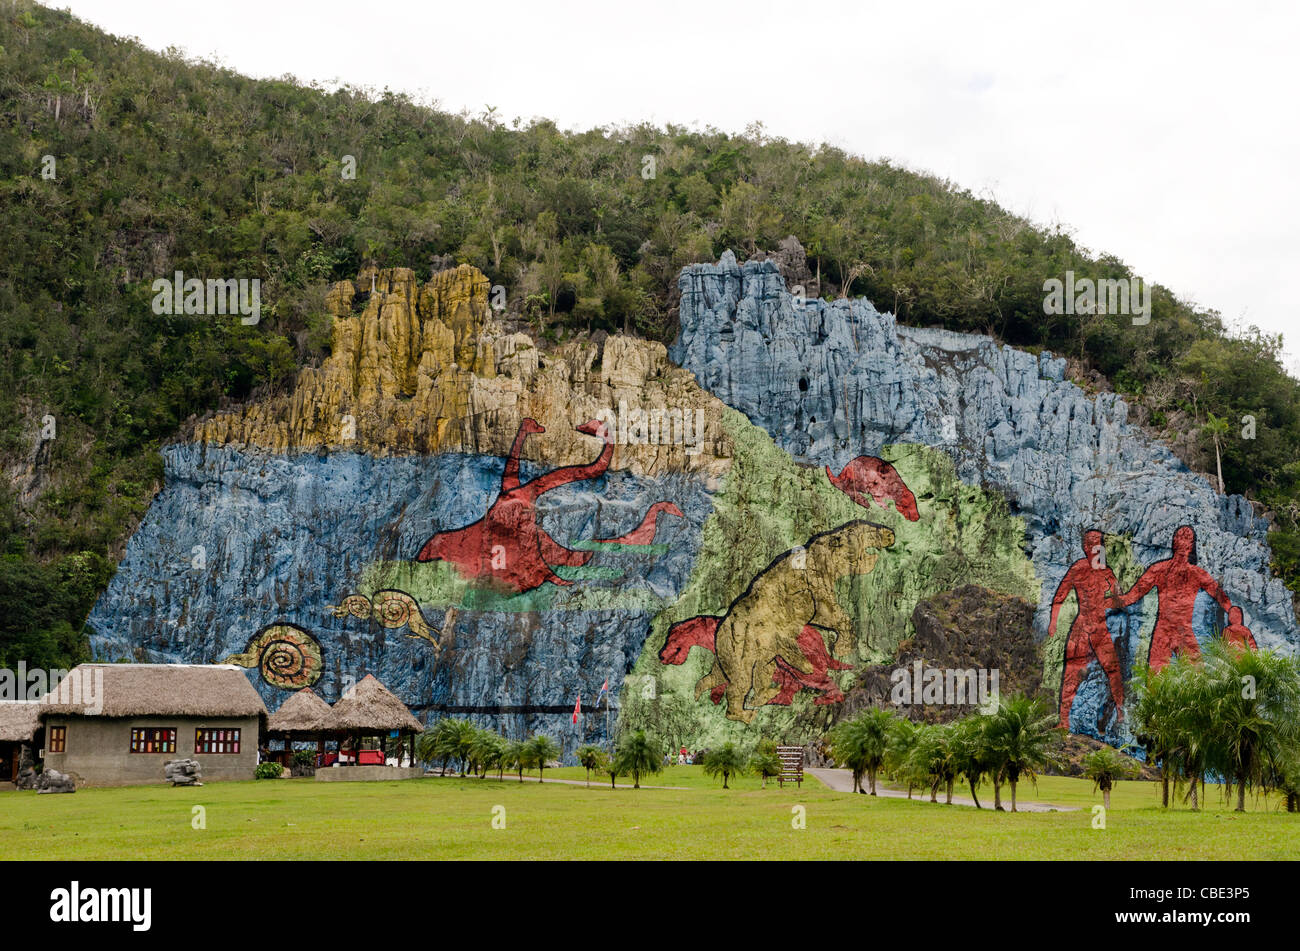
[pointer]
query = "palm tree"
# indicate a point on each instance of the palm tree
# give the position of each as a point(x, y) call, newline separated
point(860, 744)
point(487, 749)
point(1252, 726)
point(1216, 429)
point(449, 739)
point(1104, 767)
point(636, 754)
point(613, 768)
point(432, 746)
point(898, 749)
point(1022, 735)
point(971, 757)
point(765, 762)
point(1173, 720)
point(541, 750)
point(590, 757)
point(930, 760)
point(1285, 772)
point(515, 756)
point(726, 761)
point(1155, 722)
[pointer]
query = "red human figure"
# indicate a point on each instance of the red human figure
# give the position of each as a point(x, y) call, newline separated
point(1092, 583)
point(507, 547)
point(702, 632)
point(869, 476)
point(1236, 632)
point(1179, 579)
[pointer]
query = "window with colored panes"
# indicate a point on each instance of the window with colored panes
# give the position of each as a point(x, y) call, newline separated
point(58, 739)
point(153, 739)
point(216, 741)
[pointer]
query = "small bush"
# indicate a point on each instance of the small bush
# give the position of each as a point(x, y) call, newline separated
point(268, 771)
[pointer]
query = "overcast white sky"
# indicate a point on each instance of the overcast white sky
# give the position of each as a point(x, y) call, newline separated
point(1164, 134)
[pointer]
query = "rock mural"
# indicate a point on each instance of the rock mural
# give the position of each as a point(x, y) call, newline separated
point(493, 529)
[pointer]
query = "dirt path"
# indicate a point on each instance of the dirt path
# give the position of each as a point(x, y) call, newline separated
point(514, 777)
point(841, 780)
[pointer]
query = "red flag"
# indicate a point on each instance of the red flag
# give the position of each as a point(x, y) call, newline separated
point(577, 708)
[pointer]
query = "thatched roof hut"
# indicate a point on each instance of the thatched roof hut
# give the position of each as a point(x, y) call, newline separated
point(19, 721)
point(148, 690)
point(370, 708)
point(303, 713)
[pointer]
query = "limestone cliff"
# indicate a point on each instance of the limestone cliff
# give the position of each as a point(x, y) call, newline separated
point(432, 505)
point(426, 369)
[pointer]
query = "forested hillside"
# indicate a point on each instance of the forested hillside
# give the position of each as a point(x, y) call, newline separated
point(163, 164)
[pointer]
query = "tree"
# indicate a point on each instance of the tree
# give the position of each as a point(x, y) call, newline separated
point(1255, 706)
point(1022, 735)
point(930, 760)
point(971, 757)
point(515, 756)
point(487, 750)
point(765, 762)
point(456, 740)
point(1216, 429)
point(637, 755)
point(1104, 767)
point(726, 761)
point(613, 769)
point(1172, 719)
point(898, 749)
point(860, 744)
point(541, 749)
point(1155, 721)
point(590, 757)
point(448, 740)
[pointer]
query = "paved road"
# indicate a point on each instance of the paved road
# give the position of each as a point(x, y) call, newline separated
point(841, 780)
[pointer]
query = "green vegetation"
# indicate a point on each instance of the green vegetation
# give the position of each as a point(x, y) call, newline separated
point(165, 164)
point(764, 762)
point(636, 755)
point(450, 819)
point(268, 771)
point(1236, 713)
point(860, 744)
point(589, 758)
point(1017, 740)
point(1105, 767)
point(726, 761)
point(540, 750)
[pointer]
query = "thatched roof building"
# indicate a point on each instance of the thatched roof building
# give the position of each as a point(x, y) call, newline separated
point(370, 707)
point(303, 713)
point(19, 721)
point(150, 690)
point(119, 724)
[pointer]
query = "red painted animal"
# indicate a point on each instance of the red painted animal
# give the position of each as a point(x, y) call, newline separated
point(702, 631)
point(507, 547)
point(869, 476)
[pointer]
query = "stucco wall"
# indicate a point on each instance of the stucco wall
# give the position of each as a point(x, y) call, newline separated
point(98, 749)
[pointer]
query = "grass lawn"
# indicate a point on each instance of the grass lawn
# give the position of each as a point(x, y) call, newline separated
point(452, 819)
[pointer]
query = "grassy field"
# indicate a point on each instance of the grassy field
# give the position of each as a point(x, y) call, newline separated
point(452, 819)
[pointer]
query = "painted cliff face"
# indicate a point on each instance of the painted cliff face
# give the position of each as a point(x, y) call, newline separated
point(436, 505)
point(508, 548)
point(833, 383)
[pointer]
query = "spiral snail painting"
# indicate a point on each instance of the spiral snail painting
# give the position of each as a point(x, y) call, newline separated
point(286, 655)
point(394, 609)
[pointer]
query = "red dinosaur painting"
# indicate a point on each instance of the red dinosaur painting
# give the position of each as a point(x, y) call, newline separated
point(507, 547)
point(869, 476)
point(702, 632)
